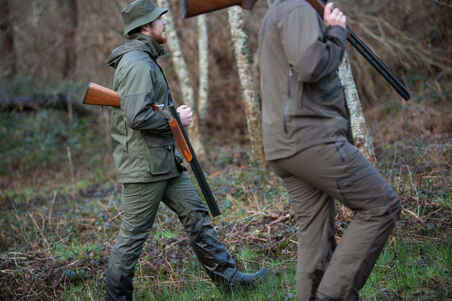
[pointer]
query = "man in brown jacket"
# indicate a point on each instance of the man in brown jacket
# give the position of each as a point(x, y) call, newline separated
point(307, 140)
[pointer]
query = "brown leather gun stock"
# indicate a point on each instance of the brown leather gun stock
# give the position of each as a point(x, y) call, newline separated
point(98, 95)
point(197, 7)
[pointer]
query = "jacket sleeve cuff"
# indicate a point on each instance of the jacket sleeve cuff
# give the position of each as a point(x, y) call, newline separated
point(337, 34)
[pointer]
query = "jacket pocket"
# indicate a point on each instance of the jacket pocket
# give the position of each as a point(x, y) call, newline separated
point(162, 159)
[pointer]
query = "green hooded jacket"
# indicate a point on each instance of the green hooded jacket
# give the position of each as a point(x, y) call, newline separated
point(143, 145)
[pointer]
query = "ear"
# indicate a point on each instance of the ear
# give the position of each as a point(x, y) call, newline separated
point(146, 29)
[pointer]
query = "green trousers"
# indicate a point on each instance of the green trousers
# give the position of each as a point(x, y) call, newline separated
point(316, 177)
point(140, 204)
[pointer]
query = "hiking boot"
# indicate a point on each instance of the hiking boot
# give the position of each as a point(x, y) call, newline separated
point(110, 297)
point(247, 280)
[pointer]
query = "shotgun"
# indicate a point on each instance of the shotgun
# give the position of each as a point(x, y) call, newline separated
point(98, 95)
point(196, 7)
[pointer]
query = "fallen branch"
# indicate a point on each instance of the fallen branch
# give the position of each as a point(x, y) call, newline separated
point(411, 213)
point(41, 101)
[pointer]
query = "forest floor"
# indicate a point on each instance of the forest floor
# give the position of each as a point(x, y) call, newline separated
point(61, 212)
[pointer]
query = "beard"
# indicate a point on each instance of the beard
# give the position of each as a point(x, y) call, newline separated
point(161, 38)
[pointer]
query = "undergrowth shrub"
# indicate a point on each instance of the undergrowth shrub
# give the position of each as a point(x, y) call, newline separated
point(39, 139)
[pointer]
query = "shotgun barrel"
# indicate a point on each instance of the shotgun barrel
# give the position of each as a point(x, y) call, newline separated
point(197, 170)
point(197, 7)
point(368, 54)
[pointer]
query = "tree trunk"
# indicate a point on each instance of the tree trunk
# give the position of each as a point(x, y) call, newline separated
point(447, 23)
point(203, 91)
point(250, 95)
point(270, 2)
point(69, 10)
point(7, 49)
point(184, 78)
point(360, 132)
point(38, 9)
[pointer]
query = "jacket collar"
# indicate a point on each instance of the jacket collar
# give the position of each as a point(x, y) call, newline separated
point(137, 42)
point(154, 49)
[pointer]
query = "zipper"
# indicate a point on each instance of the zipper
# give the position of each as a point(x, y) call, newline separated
point(289, 100)
point(125, 129)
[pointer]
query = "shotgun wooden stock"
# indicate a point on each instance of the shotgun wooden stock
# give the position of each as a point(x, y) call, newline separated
point(98, 95)
point(101, 96)
point(198, 7)
point(180, 141)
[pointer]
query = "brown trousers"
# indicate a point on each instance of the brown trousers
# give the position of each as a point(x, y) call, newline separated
point(314, 178)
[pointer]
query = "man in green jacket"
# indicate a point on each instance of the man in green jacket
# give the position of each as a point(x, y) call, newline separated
point(147, 163)
point(306, 128)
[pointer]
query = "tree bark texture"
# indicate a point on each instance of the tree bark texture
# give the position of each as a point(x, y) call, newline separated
point(270, 2)
point(38, 8)
point(361, 134)
point(203, 90)
point(250, 95)
point(203, 46)
point(69, 9)
point(7, 49)
point(181, 69)
point(447, 21)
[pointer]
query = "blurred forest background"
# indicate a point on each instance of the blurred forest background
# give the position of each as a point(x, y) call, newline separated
point(56, 153)
point(46, 42)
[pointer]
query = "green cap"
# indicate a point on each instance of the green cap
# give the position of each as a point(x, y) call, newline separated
point(140, 12)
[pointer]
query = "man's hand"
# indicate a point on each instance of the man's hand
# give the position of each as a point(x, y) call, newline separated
point(334, 18)
point(186, 115)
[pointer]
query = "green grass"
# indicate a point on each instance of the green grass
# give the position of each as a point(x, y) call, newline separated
point(412, 269)
point(56, 232)
point(444, 200)
point(275, 287)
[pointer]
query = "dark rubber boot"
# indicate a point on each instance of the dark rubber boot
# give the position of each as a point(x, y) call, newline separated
point(248, 280)
point(242, 280)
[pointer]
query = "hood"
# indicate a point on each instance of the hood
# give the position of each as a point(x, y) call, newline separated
point(137, 43)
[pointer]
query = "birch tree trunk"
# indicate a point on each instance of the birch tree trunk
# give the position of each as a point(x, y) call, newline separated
point(180, 67)
point(270, 2)
point(361, 134)
point(250, 95)
point(203, 47)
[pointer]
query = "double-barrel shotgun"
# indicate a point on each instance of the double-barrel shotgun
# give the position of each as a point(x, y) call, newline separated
point(197, 7)
point(98, 95)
